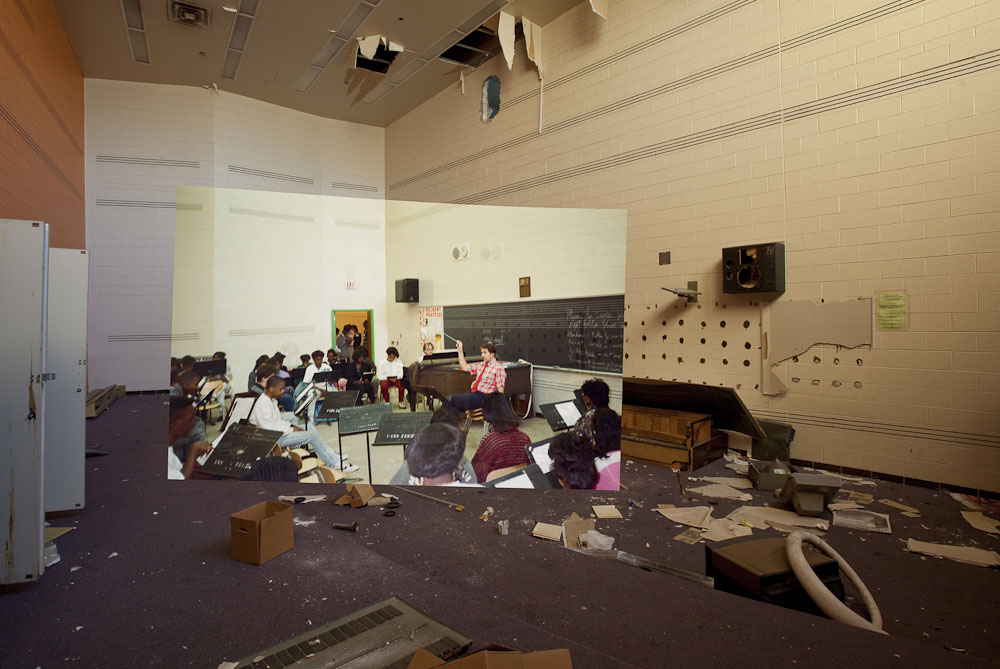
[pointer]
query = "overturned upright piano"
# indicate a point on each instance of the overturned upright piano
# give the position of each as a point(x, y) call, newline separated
point(681, 424)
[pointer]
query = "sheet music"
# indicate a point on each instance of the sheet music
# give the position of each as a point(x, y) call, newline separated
point(540, 454)
point(241, 409)
point(215, 442)
point(568, 412)
point(519, 481)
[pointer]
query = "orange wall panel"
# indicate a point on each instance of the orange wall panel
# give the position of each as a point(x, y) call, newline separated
point(41, 122)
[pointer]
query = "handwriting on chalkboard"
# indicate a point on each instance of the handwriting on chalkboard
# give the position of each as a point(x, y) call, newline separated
point(581, 333)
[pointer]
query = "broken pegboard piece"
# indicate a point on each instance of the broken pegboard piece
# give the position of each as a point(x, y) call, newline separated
point(791, 327)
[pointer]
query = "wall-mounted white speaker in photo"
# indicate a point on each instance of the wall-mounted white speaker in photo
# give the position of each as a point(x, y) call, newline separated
point(460, 251)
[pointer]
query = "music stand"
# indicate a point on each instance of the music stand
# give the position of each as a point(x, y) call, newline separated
point(206, 368)
point(556, 417)
point(399, 428)
point(240, 448)
point(305, 400)
point(335, 402)
point(355, 420)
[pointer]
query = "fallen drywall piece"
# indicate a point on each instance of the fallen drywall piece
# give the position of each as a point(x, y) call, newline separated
point(506, 34)
point(981, 522)
point(721, 491)
point(966, 554)
point(731, 481)
point(791, 327)
point(573, 527)
point(721, 529)
point(533, 42)
point(369, 45)
point(760, 516)
point(600, 7)
point(695, 516)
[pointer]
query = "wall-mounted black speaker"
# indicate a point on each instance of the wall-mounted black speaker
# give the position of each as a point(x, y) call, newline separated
point(407, 290)
point(758, 268)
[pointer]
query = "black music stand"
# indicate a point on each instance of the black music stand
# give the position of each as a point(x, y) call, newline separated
point(208, 368)
point(355, 420)
point(335, 403)
point(399, 428)
point(242, 447)
point(554, 418)
point(304, 400)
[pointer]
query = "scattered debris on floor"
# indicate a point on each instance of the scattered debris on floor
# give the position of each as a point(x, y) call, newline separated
point(573, 527)
point(966, 554)
point(689, 536)
point(981, 522)
point(606, 511)
point(594, 540)
point(547, 531)
point(721, 491)
point(760, 516)
point(862, 519)
point(695, 516)
point(301, 499)
point(503, 527)
point(486, 514)
point(897, 505)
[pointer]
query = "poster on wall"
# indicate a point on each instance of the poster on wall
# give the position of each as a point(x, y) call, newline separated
point(431, 325)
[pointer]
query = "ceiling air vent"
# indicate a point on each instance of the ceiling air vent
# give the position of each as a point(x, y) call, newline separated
point(188, 14)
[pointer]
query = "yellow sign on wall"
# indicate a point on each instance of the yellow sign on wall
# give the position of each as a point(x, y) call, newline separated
point(890, 310)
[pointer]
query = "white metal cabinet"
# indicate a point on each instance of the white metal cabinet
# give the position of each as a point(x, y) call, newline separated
point(23, 260)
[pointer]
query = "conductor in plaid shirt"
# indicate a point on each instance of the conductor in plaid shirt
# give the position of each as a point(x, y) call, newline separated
point(490, 378)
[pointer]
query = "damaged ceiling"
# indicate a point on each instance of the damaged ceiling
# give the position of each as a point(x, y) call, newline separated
point(302, 55)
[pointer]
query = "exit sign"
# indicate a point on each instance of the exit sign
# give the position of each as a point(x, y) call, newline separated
point(351, 285)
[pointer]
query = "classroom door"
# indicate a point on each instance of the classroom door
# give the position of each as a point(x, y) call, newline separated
point(357, 317)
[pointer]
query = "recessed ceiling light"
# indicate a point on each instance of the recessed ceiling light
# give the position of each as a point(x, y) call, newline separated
point(331, 30)
point(231, 10)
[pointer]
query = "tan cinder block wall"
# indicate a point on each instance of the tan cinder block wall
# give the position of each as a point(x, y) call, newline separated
point(863, 135)
point(41, 122)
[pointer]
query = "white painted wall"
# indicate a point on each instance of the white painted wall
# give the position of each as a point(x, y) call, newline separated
point(276, 266)
point(143, 141)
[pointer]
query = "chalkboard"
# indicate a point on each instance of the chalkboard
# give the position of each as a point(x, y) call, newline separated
point(582, 333)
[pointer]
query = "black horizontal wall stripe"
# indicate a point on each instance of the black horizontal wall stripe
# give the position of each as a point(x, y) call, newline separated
point(39, 151)
point(930, 76)
point(677, 84)
point(271, 175)
point(38, 89)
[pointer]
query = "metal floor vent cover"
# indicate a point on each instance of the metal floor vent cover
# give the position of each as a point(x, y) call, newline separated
point(385, 634)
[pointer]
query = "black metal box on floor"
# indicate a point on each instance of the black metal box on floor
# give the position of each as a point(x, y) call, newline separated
point(758, 568)
point(756, 268)
point(776, 445)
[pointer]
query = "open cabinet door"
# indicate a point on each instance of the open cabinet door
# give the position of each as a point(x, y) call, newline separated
point(66, 394)
point(23, 260)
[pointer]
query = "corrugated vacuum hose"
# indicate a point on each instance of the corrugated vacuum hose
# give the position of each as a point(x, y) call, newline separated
point(820, 594)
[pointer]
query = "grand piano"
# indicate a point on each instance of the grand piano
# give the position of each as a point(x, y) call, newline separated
point(440, 376)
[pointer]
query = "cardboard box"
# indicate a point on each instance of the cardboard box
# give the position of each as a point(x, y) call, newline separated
point(497, 659)
point(261, 532)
